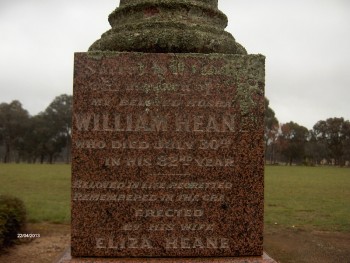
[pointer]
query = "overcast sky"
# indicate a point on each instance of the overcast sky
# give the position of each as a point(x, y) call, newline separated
point(306, 44)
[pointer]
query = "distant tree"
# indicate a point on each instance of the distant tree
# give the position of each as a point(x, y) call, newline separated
point(271, 132)
point(346, 140)
point(37, 138)
point(59, 117)
point(315, 150)
point(50, 131)
point(14, 121)
point(292, 140)
point(333, 133)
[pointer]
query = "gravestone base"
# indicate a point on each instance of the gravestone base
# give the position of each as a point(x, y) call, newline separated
point(67, 258)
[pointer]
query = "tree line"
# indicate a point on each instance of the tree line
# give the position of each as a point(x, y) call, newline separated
point(46, 137)
point(328, 143)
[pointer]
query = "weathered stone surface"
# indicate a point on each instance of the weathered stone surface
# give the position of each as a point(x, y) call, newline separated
point(167, 155)
point(161, 26)
point(67, 258)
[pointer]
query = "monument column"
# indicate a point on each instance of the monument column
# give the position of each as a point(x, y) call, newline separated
point(168, 139)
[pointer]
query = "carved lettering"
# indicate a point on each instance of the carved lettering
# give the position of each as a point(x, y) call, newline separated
point(228, 123)
point(112, 162)
point(182, 124)
point(82, 121)
point(193, 103)
point(158, 123)
point(168, 213)
point(174, 161)
point(197, 242)
point(214, 144)
point(153, 123)
point(161, 227)
point(139, 161)
point(190, 198)
point(90, 144)
point(101, 102)
point(209, 123)
point(114, 197)
point(123, 243)
point(130, 145)
point(197, 227)
point(79, 184)
point(200, 197)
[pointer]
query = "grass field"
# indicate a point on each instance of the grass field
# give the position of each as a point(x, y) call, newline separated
point(45, 189)
point(306, 197)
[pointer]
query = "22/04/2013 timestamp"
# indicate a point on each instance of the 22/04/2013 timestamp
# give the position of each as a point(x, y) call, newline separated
point(22, 235)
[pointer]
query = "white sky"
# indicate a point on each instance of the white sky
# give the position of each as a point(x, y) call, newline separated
point(306, 44)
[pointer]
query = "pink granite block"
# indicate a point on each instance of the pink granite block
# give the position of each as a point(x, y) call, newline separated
point(167, 155)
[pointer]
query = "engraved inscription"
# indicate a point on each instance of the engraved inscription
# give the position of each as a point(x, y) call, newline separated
point(165, 153)
point(170, 243)
point(168, 213)
point(197, 227)
point(170, 161)
point(169, 144)
point(79, 184)
point(161, 227)
point(153, 123)
point(124, 243)
point(174, 161)
point(169, 227)
point(136, 198)
point(192, 103)
point(197, 242)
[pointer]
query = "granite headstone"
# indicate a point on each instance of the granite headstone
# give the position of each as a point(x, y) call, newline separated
point(168, 137)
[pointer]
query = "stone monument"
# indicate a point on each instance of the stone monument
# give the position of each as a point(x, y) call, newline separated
point(168, 139)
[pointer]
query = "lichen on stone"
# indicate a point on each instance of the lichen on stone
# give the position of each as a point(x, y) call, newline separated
point(168, 26)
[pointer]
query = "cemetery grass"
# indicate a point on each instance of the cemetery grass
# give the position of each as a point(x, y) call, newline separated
point(44, 189)
point(315, 198)
point(307, 214)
